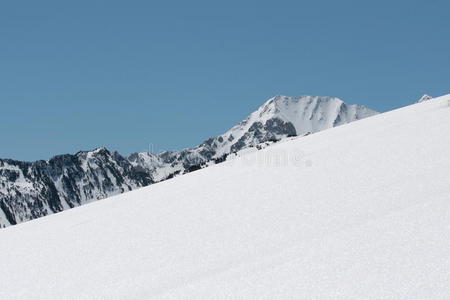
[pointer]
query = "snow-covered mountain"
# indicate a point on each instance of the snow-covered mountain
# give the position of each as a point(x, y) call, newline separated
point(278, 118)
point(367, 218)
point(424, 98)
point(32, 190)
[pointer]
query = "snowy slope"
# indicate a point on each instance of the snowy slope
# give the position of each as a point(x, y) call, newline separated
point(32, 190)
point(360, 211)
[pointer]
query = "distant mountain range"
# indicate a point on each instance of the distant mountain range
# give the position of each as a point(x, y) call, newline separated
point(29, 190)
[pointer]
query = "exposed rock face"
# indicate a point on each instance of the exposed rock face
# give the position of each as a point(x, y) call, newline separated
point(32, 190)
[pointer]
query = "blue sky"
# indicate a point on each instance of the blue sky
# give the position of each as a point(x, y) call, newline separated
point(123, 74)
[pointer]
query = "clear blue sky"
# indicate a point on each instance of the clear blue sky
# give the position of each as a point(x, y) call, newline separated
point(122, 74)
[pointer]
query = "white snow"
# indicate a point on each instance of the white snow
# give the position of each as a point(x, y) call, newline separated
point(424, 98)
point(306, 113)
point(360, 211)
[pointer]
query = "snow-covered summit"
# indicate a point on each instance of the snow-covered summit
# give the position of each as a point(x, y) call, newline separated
point(283, 116)
point(425, 98)
point(278, 118)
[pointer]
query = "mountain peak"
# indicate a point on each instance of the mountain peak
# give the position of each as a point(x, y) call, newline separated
point(280, 103)
point(425, 97)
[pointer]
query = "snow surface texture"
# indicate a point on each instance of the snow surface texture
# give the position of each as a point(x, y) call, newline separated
point(32, 190)
point(360, 211)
